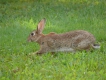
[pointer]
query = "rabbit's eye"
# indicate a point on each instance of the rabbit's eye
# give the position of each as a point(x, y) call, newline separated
point(32, 34)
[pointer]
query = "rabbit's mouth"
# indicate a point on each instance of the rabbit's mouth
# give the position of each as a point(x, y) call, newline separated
point(29, 40)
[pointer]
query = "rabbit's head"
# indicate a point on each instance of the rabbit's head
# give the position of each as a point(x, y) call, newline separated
point(36, 34)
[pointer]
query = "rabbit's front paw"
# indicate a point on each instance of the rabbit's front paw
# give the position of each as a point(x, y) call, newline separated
point(40, 52)
point(36, 53)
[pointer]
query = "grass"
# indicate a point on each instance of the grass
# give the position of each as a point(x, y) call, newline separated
point(19, 18)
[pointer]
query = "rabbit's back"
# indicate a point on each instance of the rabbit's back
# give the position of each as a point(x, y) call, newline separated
point(70, 41)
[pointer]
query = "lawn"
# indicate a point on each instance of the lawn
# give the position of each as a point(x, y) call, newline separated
point(19, 18)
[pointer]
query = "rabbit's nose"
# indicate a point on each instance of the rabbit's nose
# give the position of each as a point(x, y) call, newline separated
point(29, 40)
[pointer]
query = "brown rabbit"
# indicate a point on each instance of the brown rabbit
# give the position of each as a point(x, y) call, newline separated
point(65, 42)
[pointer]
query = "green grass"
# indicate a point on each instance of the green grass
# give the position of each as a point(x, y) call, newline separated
point(19, 18)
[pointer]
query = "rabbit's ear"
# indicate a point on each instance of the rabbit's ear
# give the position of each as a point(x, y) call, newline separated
point(41, 26)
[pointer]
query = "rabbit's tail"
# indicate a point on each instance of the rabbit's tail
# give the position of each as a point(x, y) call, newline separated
point(96, 46)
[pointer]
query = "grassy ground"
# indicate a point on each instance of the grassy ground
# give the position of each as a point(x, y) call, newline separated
point(19, 18)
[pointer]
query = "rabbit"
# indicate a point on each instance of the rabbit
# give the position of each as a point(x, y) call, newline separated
point(64, 42)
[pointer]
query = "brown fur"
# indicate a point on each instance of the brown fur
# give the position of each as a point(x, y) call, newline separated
point(53, 42)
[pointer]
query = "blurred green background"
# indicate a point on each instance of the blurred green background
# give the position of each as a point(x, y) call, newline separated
point(19, 18)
